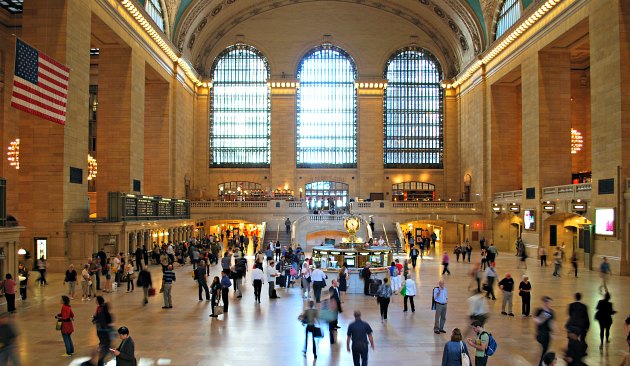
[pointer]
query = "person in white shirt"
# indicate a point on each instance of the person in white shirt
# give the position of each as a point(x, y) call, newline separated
point(258, 278)
point(306, 279)
point(410, 292)
point(318, 279)
point(272, 273)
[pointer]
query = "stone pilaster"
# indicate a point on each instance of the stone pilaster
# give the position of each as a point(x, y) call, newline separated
point(370, 137)
point(610, 116)
point(283, 134)
point(157, 139)
point(46, 198)
point(120, 129)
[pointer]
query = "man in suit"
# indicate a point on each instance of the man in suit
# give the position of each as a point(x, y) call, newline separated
point(125, 353)
point(578, 317)
point(334, 305)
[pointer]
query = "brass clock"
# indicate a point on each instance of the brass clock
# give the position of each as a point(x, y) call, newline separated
point(352, 224)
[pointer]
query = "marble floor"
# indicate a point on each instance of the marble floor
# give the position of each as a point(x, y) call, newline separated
point(269, 333)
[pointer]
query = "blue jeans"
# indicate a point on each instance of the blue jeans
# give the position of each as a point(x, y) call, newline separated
point(67, 341)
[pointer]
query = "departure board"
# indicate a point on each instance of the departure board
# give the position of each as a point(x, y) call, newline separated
point(132, 207)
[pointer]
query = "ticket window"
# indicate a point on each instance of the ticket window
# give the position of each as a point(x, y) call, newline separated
point(41, 245)
point(350, 261)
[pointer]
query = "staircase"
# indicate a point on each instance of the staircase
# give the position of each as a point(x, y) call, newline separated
point(285, 239)
point(390, 237)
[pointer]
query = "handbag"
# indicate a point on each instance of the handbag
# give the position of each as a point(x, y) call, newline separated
point(317, 332)
point(151, 291)
point(218, 310)
point(465, 358)
point(58, 325)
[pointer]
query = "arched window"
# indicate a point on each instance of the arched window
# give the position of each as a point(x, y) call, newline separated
point(509, 14)
point(154, 8)
point(414, 111)
point(326, 110)
point(413, 191)
point(239, 109)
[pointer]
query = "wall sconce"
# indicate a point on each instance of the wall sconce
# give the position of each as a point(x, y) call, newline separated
point(579, 207)
point(21, 251)
point(549, 207)
point(13, 155)
point(92, 167)
point(514, 207)
point(155, 235)
point(496, 208)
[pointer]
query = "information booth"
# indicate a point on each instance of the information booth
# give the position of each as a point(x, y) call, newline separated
point(331, 259)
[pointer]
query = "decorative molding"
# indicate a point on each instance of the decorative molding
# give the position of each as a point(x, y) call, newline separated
point(414, 18)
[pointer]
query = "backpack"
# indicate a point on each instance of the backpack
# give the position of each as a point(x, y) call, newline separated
point(491, 348)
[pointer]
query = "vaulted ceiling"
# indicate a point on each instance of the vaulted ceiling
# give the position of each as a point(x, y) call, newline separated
point(456, 30)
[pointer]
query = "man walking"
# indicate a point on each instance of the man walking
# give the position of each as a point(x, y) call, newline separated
point(414, 256)
point(491, 276)
point(225, 290)
point(202, 280)
point(440, 297)
point(359, 332)
point(168, 277)
point(272, 273)
point(507, 285)
point(578, 317)
point(544, 325)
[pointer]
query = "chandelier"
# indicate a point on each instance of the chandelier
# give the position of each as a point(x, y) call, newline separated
point(92, 167)
point(13, 155)
point(576, 141)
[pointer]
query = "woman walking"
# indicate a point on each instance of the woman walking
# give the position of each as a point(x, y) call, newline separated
point(71, 280)
point(9, 292)
point(524, 291)
point(603, 315)
point(306, 279)
point(129, 276)
point(343, 282)
point(215, 291)
point(66, 316)
point(454, 349)
point(103, 320)
point(445, 261)
point(384, 295)
point(393, 274)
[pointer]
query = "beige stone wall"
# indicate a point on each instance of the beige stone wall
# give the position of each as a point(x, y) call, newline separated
point(581, 119)
point(157, 138)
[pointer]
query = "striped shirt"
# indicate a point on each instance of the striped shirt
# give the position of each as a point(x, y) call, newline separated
point(168, 276)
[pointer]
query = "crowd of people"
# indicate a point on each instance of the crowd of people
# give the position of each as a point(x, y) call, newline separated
point(286, 267)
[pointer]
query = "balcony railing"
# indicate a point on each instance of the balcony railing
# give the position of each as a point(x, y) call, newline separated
point(582, 190)
point(508, 194)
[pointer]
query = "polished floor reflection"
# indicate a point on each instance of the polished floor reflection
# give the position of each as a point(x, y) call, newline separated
point(269, 333)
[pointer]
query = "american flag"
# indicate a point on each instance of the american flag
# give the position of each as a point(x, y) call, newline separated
point(40, 84)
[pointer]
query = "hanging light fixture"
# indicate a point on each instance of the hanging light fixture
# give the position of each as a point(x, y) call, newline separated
point(576, 141)
point(92, 167)
point(13, 155)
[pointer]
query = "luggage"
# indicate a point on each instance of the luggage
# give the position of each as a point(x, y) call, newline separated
point(281, 281)
point(374, 285)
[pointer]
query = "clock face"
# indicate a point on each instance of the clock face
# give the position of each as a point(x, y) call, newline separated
point(352, 223)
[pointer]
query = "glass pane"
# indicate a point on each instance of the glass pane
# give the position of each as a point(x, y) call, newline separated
point(326, 117)
point(509, 14)
point(414, 111)
point(240, 109)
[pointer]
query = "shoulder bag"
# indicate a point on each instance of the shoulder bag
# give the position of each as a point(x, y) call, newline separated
point(465, 358)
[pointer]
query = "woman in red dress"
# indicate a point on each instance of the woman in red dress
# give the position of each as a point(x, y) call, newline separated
point(66, 316)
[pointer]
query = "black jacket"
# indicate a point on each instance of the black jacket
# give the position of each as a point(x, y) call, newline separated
point(144, 279)
point(127, 356)
point(578, 316)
